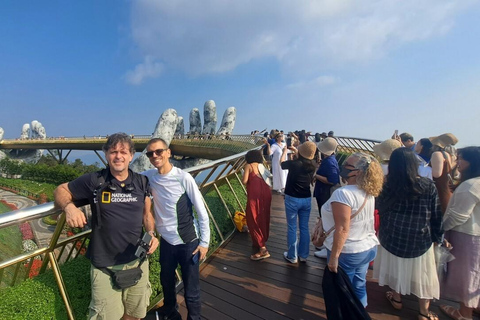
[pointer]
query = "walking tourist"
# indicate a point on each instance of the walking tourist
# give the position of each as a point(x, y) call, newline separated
point(259, 199)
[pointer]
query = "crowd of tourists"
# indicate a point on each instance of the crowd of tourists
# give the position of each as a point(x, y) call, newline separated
point(402, 209)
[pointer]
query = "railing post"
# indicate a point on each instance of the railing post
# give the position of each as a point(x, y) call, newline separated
point(61, 284)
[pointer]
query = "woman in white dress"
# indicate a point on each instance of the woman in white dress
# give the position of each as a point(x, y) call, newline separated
point(279, 175)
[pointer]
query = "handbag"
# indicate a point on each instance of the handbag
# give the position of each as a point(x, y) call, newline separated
point(319, 235)
point(266, 175)
point(240, 221)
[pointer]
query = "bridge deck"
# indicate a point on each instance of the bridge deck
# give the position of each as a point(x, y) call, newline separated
point(234, 287)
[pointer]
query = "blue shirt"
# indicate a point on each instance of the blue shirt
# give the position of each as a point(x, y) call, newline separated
point(328, 168)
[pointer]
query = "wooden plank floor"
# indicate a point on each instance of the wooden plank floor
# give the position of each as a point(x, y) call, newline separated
point(234, 287)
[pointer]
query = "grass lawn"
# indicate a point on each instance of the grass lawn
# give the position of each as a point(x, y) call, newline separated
point(4, 208)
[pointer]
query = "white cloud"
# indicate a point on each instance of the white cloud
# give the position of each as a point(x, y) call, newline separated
point(320, 81)
point(147, 69)
point(306, 37)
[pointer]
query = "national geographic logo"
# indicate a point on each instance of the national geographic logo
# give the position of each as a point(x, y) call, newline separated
point(108, 197)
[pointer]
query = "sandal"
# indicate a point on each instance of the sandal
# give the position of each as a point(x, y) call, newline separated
point(452, 312)
point(260, 255)
point(395, 304)
point(429, 316)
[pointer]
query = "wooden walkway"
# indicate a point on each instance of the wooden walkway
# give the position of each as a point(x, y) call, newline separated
point(234, 287)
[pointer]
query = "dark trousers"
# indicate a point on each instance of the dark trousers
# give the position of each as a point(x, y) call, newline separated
point(170, 257)
point(322, 197)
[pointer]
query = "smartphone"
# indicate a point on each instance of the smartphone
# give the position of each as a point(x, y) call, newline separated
point(195, 258)
point(289, 142)
point(396, 133)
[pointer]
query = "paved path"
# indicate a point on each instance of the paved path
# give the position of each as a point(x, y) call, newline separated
point(42, 232)
point(20, 202)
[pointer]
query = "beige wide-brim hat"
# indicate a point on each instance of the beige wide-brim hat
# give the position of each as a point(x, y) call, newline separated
point(327, 146)
point(307, 150)
point(384, 150)
point(443, 140)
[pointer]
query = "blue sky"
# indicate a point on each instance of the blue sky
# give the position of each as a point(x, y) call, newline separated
point(360, 68)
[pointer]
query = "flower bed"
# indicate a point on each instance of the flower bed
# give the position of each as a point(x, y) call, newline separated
point(10, 205)
point(26, 230)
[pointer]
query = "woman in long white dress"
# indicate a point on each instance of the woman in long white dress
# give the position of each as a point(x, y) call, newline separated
point(279, 175)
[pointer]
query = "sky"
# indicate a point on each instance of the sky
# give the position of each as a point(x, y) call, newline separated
point(360, 68)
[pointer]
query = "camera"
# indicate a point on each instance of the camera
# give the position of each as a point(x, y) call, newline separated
point(143, 245)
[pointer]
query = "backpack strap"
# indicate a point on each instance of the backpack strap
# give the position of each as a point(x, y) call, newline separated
point(102, 176)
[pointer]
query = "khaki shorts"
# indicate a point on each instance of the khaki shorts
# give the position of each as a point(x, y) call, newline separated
point(111, 303)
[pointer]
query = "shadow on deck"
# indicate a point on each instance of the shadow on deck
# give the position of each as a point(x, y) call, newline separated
point(234, 287)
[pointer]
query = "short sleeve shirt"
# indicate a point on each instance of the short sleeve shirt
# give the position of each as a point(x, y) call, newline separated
point(362, 233)
point(121, 216)
point(298, 179)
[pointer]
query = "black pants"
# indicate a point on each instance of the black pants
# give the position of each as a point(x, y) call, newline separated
point(170, 257)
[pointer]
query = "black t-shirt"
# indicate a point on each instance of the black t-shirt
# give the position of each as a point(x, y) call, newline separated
point(298, 180)
point(121, 216)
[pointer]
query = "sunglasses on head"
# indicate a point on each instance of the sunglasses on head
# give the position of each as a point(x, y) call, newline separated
point(157, 152)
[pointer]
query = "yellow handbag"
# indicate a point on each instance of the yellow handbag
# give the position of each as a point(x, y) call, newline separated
point(240, 221)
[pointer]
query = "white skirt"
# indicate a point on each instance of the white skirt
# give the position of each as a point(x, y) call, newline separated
point(416, 276)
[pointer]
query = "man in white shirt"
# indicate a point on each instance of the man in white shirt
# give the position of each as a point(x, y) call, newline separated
point(184, 237)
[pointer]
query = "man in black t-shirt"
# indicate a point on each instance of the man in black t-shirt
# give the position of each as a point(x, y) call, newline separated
point(124, 208)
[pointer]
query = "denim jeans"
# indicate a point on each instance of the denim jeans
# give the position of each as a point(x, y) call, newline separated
point(355, 266)
point(170, 257)
point(298, 208)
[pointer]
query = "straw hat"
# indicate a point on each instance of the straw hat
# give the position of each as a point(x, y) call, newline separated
point(307, 150)
point(327, 146)
point(444, 140)
point(384, 150)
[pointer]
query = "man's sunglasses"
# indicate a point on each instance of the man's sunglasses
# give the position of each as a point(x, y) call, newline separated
point(157, 152)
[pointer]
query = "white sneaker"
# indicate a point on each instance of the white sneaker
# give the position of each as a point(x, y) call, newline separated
point(303, 260)
point(319, 248)
point(285, 256)
point(321, 254)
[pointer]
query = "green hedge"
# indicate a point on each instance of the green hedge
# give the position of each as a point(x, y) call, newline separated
point(39, 298)
point(32, 187)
